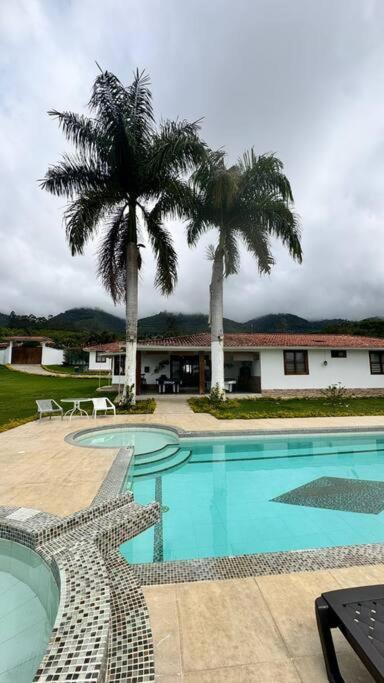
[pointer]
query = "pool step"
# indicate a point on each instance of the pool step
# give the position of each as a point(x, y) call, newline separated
point(156, 456)
point(175, 459)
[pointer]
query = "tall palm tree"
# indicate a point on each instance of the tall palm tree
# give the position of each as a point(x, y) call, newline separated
point(249, 202)
point(125, 168)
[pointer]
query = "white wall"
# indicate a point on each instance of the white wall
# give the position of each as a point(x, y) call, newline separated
point(353, 371)
point(97, 365)
point(152, 360)
point(51, 356)
point(3, 356)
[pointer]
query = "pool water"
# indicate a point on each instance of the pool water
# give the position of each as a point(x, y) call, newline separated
point(29, 599)
point(221, 500)
point(143, 440)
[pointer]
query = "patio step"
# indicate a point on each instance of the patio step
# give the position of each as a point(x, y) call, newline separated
point(173, 460)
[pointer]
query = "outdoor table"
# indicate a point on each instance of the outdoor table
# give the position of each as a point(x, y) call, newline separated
point(169, 383)
point(76, 406)
point(229, 384)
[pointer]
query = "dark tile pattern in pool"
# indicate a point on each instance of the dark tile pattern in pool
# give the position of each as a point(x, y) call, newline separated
point(338, 493)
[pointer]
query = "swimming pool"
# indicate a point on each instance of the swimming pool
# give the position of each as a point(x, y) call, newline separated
point(29, 599)
point(143, 439)
point(255, 494)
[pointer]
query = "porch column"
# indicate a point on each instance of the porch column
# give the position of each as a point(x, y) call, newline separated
point(201, 372)
point(138, 373)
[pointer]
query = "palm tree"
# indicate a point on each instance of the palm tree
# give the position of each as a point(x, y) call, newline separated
point(125, 168)
point(249, 202)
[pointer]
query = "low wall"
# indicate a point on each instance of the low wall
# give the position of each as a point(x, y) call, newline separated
point(307, 393)
point(51, 356)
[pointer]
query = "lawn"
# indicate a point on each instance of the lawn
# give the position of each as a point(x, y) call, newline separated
point(247, 408)
point(18, 392)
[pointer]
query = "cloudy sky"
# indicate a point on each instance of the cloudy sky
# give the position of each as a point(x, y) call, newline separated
point(302, 78)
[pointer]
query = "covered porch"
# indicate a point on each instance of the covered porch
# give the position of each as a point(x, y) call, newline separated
point(189, 371)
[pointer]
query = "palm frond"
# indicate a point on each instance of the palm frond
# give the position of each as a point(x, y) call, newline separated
point(81, 131)
point(75, 174)
point(231, 252)
point(165, 254)
point(177, 147)
point(83, 216)
point(111, 261)
point(264, 173)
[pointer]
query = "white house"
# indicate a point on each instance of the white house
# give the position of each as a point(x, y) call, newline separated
point(273, 364)
point(97, 358)
point(19, 350)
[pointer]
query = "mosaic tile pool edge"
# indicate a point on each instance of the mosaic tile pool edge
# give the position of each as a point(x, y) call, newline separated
point(102, 630)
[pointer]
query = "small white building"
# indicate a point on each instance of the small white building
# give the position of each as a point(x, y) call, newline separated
point(29, 350)
point(271, 364)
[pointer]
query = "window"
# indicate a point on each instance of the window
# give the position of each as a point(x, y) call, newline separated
point(338, 353)
point(376, 361)
point(99, 357)
point(296, 363)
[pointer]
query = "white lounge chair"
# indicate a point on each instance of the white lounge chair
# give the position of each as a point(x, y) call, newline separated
point(48, 407)
point(102, 404)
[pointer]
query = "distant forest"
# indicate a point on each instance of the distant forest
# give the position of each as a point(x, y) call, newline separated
point(79, 326)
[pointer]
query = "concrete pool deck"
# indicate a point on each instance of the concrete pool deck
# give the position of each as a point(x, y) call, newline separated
point(259, 628)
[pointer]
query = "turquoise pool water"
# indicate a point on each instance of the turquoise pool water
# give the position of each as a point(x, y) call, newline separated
point(143, 440)
point(29, 599)
point(220, 501)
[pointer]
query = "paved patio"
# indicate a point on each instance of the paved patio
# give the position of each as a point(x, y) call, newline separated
point(258, 629)
point(255, 629)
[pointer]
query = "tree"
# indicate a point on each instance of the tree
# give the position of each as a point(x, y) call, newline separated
point(125, 169)
point(249, 202)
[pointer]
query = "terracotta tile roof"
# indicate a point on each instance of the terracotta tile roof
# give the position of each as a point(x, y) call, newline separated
point(111, 347)
point(244, 340)
point(20, 338)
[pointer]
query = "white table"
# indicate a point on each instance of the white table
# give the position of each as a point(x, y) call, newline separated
point(169, 383)
point(76, 406)
point(229, 384)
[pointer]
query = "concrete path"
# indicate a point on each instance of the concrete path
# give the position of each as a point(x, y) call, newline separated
point(32, 370)
point(168, 406)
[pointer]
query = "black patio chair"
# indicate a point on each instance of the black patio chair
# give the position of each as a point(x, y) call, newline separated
point(359, 614)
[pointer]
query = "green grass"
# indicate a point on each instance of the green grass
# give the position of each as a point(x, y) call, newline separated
point(294, 407)
point(18, 392)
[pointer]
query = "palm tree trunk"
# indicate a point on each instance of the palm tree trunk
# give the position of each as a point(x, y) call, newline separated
point(131, 307)
point(217, 327)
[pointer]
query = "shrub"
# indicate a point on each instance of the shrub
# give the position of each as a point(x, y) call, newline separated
point(216, 395)
point(334, 392)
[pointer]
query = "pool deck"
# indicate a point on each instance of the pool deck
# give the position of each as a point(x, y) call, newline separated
point(260, 628)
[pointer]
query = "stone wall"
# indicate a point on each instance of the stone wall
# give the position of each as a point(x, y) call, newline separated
point(317, 393)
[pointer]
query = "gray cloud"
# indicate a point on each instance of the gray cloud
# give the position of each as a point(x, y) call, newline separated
point(302, 79)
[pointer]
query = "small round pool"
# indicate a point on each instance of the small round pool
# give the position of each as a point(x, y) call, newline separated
point(143, 439)
point(29, 599)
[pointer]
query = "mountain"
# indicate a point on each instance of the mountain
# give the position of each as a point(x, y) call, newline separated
point(86, 319)
point(286, 322)
point(94, 323)
point(178, 324)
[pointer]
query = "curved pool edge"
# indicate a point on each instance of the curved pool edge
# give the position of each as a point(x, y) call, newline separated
point(73, 437)
point(97, 587)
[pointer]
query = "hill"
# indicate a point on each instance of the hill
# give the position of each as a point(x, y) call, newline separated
point(86, 325)
point(86, 319)
point(177, 324)
point(286, 322)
